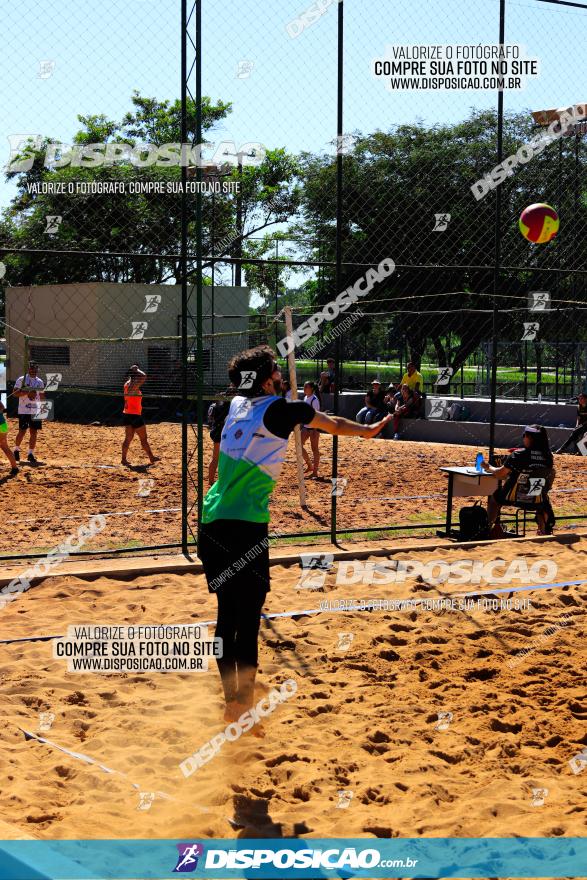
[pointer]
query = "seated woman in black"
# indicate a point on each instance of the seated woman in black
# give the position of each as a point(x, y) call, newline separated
point(528, 474)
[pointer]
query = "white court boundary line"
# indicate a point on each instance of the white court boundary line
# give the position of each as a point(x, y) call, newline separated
point(86, 759)
point(135, 510)
point(306, 612)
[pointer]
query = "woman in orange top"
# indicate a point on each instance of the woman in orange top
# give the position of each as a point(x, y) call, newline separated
point(132, 418)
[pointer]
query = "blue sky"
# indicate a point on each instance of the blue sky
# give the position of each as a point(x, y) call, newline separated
point(102, 51)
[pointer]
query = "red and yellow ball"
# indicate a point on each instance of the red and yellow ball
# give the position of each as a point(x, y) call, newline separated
point(539, 223)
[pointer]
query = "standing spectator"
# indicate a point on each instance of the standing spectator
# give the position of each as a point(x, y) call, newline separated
point(580, 427)
point(374, 408)
point(311, 396)
point(30, 392)
point(327, 384)
point(404, 408)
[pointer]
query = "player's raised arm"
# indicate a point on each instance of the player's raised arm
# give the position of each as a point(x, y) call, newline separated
point(345, 428)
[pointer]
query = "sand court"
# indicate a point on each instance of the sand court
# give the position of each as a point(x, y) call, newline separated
point(431, 721)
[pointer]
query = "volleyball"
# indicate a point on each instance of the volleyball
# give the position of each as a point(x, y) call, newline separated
point(539, 223)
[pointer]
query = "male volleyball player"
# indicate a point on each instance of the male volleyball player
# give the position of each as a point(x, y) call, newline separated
point(132, 417)
point(30, 392)
point(234, 534)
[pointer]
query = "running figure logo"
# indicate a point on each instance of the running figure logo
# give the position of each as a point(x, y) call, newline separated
point(535, 486)
point(444, 719)
point(244, 69)
point(146, 486)
point(247, 379)
point(152, 303)
point(53, 380)
point(315, 567)
point(538, 300)
point(531, 329)
point(46, 68)
point(444, 375)
point(438, 409)
point(578, 762)
point(441, 222)
point(339, 484)
point(187, 861)
point(45, 409)
point(146, 799)
point(139, 328)
point(46, 719)
point(345, 143)
point(345, 797)
point(53, 222)
point(538, 796)
point(345, 640)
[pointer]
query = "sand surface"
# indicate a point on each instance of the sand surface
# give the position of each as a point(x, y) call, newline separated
point(364, 720)
point(389, 482)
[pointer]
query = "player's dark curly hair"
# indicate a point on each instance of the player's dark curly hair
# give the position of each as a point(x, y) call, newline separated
point(259, 360)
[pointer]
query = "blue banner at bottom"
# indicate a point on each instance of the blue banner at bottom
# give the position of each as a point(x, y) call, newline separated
point(306, 859)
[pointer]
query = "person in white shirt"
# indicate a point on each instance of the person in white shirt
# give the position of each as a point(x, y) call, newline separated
point(311, 396)
point(30, 392)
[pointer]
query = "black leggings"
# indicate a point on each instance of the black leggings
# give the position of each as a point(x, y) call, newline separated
point(235, 556)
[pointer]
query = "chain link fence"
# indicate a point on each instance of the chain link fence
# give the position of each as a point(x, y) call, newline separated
point(162, 215)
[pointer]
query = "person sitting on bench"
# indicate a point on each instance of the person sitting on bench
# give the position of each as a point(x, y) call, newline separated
point(374, 408)
point(404, 407)
point(528, 473)
point(581, 426)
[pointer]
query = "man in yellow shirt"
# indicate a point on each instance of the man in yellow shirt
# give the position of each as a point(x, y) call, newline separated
point(415, 382)
point(413, 379)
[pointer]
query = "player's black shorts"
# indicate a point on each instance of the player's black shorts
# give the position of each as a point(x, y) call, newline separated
point(235, 555)
point(27, 421)
point(133, 420)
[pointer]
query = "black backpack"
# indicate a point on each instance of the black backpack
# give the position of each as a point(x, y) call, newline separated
point(474, 524)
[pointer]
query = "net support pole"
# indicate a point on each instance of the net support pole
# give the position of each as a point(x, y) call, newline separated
point(338, 252)
point(199, 276)
point(184, 290)
point(293, 381)
point(497, 265)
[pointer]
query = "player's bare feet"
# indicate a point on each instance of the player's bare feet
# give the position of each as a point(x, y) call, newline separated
point(233, 711)
point(155, 459)
point(125, 462)
point(257, 730)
